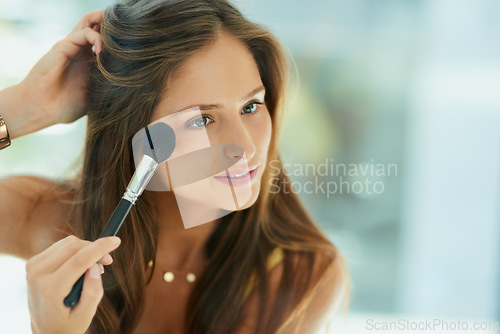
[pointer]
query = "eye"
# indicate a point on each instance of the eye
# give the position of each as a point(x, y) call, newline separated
point(250, 108)
point(200, 122)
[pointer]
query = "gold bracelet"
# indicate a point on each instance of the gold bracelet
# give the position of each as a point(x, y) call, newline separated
point(4, 134)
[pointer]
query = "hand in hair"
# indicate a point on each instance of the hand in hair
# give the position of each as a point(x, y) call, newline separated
point(50, 276)
point(55, 90)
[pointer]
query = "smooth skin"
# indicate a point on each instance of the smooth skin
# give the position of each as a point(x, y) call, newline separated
point(52, 273)
point(53, 92)
point(35, 213)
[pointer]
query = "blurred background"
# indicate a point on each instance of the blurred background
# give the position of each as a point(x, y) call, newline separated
point(392, 141)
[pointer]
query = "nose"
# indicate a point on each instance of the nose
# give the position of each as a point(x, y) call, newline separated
point(237, 133)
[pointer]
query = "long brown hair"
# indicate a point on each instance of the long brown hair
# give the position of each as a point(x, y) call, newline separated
point(144, 42)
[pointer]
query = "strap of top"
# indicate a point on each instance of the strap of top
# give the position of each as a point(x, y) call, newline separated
point(274, 258)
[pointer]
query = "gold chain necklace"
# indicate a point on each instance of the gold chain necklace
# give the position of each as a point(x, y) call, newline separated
point(168, 276)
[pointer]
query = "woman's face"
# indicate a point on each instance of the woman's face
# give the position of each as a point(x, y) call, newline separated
point(223, 79)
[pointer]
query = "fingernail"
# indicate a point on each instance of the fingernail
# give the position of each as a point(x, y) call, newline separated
point(102, 268)
point(109, 258)
point(94, 272)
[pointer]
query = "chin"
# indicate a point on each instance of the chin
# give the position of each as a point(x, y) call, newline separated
point(244, 202)
point(248, 204)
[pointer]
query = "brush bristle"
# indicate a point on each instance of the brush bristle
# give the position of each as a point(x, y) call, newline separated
point(162, 139)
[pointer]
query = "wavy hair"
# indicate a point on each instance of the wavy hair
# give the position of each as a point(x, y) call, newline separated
point(144, 42)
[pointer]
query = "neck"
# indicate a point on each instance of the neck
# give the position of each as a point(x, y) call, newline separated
point(178, 247)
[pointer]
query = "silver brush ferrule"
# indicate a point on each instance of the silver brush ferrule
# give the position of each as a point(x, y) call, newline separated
point(143, 173)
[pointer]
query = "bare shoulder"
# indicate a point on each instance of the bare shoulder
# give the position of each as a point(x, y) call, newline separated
point(329, 287)
point(35, 213)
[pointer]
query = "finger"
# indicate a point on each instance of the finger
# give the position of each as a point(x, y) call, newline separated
point(90, 20)
point(55, 247)
point(53, 257)
point(92, 293)
point(107, 260)
point(74, 42)
point(72, 269)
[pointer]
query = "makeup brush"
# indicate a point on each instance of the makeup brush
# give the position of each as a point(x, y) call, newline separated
point(157, 148)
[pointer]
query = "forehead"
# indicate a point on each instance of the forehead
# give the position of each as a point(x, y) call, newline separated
point(221, 72)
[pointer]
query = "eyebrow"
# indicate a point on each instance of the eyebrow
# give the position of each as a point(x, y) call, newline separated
point(221, 106)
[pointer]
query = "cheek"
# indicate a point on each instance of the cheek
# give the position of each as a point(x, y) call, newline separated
point(264, 131)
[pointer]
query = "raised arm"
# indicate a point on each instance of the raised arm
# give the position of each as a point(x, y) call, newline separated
point(32, 210)
point(55, 90)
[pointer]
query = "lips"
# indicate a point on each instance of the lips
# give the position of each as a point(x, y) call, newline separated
point(239, 177)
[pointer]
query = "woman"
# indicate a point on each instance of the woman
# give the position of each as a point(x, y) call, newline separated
point(264, 268)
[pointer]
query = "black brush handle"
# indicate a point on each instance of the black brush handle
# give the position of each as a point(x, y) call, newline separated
point(117, 218)
point(112, 227)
